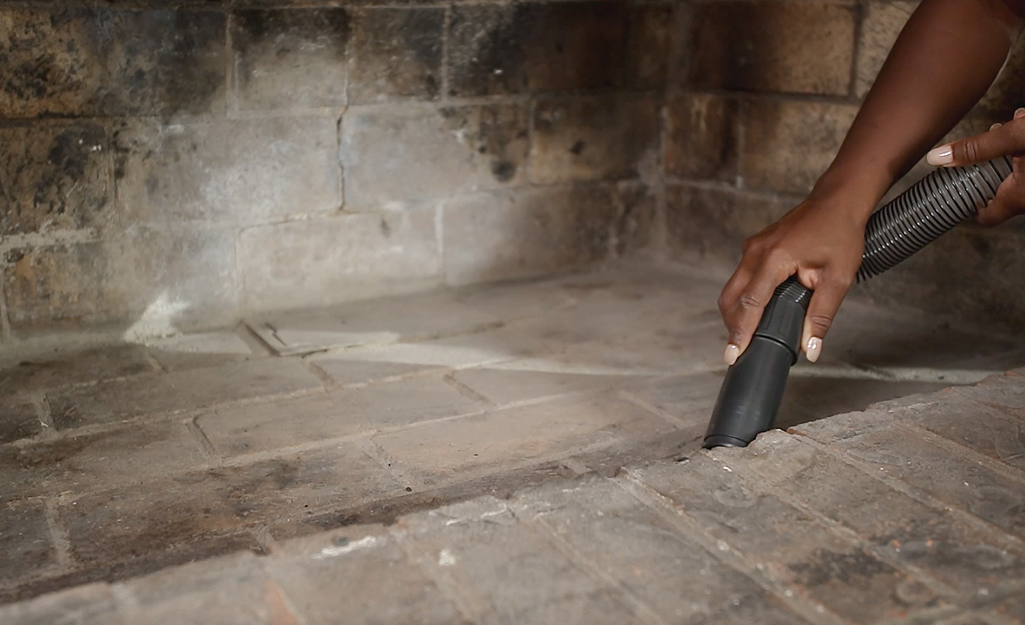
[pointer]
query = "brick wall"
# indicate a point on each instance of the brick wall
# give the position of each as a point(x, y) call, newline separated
point(181, 163)
point(767, 91)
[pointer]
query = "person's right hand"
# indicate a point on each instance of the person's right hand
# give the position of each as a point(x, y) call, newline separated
point(821, 241)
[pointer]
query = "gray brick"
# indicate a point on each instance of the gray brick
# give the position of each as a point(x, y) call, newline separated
point(290, 58)
point(73, 367)
point(26, 547)
point(512, 235)
point(702, 136)
point(396, 52)
point(92, 604)
point(989, 431)
point(510, 386)
point(178, 392)
point(802, 47)
point(880, 26)
point(55, 177)
point(592, 138)
point(798, 551)
point(497, 49)
point(199, 350)
point(687, 398)
point(1006, 392)
point(319, 262)
point(393, 155)
point(715, 222)
point(637, 229)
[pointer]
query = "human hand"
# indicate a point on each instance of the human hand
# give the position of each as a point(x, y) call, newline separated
point(822, 242)
point(1001, 140)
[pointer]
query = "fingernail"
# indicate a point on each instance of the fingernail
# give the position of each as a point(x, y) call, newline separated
point(995, 126)
point(943, 155)
point(814, 349)
point(1019, 113)
point(731, 355)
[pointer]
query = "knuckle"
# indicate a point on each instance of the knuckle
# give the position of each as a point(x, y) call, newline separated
point(970, 150)
point(749, 301)
point(821, 322)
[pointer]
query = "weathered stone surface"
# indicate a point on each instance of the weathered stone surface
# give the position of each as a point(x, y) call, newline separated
point(54, 177)
point(264, 427)
point(352, 373)
point(178, 392)
point(511, 235)
point(1006, 392)
point(92, 604)
point(989, 431)
point(396, 53)
point(36, 373)
point(327, 261)
point(714, 222)
point(592, 138)
point(358, 576)
point(799, 550)
point(701, 139)
point(685, 398)
point(804, 47)
point(507, 386)
point(636, 229)
point(495, 562)
point(788, 144)
point(237, 172)
point(649, 45)
point(497, 49)
point(18, 420)
point(393, 155)
point(290, 58)
point(203, 349)
point(26, 548)
point(83, 61)
point(880, 26)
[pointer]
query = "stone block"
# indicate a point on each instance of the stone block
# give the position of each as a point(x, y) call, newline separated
point(880, 25)
point(264, 427)
point(636, 227)
point(151, 518)
point(290, 58)
point(614, 533)
point(26, 547)
point(18, 420)
point(988, 431)
point(789, 545)
point(803, 47)
point(198, 350)
point(320, 262)
point(91, 604)
point(652, 29)
point(234, 172)
point(450, 450)
point(106, 62)
point(367, 579)
point(701, 140)
point(55, 178)
point(513, 235)
point(715, 222)
point(592, 138)
point(73, 367)
point(505, 572)
point(1006, 392)
point(178, 392)
point(396, 53)
point(788, 144)
point(933, 541)
point(510, 386)
point(686, 398)
point(500, 49)
point(393, 155)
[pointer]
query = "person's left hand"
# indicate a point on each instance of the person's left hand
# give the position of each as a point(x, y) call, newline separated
point(1001, 140)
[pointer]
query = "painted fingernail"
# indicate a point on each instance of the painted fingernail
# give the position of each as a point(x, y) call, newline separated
point(814, 349)
point(731, 355)
point(943, 155)
point(1019, 113)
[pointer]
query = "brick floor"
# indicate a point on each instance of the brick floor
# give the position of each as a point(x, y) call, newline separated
point(117, 465)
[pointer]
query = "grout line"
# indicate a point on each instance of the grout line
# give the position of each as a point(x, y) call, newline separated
point(393, 466)
point(325, 378)
point(466, 391)
point(966, 454)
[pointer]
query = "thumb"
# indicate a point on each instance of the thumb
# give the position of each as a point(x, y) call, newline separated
point(821, 312)
point(1003, 140)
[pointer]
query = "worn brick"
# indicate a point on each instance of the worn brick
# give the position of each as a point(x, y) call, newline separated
point(989, 431)
point(358, 576)
point(396, 52)
point(687, 398)
point(962, 556)
point(327, 261)
point(507, 386)
point(26, 547)
point(54, 177)
point(1007, 392)
point(393, 155)
point(714, 222)
point(38, 372)
point(238, 172)
point(198, 350)
point(161, 515)
point(262, 427)
point(636, 227)
point(496, 563)
point(83, 61)
point(880, 26)
point(788, 144)
point(630, 543)
point(592, 137)
point(290, 58)
point(651, 33)
point(178, 392)
point(796, 47)
point(499, 49)
point(702, 137)
point(797, 550)
point(91, 604)
point(511, 235)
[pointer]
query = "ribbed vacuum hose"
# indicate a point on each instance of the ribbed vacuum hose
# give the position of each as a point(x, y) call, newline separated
point(753, 388)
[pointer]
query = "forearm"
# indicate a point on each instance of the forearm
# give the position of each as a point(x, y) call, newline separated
point(944, 60)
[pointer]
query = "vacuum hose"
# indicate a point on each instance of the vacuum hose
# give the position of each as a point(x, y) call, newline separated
point(753, 388)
